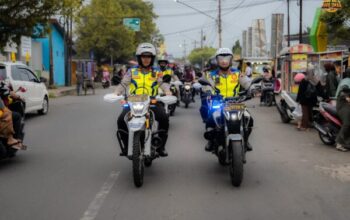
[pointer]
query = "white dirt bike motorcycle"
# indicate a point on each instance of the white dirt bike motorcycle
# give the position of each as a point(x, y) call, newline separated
point(143, 131)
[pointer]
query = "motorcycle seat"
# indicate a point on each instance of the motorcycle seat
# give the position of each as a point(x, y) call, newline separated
point(330, 109)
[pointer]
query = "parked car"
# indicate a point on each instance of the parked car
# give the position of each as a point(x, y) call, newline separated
point(20, 75)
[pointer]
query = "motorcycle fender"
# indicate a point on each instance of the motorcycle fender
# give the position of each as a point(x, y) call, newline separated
point(135, 124)
point(233, 137)
point(147, 151)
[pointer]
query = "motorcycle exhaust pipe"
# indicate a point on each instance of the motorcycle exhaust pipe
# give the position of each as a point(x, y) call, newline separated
point(320, 128)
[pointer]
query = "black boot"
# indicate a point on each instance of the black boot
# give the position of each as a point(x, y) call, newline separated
point(248, 146)
point(162, 152)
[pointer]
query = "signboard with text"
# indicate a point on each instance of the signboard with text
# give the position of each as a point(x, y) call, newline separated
point(132, 23)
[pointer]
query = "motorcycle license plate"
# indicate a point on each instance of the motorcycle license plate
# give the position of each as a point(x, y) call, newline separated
point(235, 107)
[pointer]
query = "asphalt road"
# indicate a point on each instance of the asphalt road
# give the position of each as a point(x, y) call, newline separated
point(72, 170)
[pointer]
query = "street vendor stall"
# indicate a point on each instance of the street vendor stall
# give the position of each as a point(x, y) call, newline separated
point(331, 57)
point(258, 63)
point(293, 60)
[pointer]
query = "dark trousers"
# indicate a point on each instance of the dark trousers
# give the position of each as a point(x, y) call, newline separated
point(160, 116)
point(343, 110)
point(16, 118)
point(306, 119)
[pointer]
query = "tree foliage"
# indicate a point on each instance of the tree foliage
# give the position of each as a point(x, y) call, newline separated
point(338, 24)
point(237, 49)
point(18, 17)
point(199, 55)
point(100, 28)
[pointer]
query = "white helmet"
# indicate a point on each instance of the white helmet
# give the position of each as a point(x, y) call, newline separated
point(146, 48)
point(224, 51)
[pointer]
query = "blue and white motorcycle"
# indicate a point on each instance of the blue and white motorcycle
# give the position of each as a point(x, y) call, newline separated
point(231, 121)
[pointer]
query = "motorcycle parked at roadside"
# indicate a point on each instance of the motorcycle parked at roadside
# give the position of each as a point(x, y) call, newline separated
point(328, 123)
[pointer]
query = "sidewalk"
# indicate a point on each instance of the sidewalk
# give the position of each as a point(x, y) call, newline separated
point(62, 91)
point(67, 90)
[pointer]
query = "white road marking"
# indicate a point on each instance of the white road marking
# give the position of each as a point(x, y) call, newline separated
point(97, 202)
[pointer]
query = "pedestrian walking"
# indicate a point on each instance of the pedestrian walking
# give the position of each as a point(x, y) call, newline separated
point(307, 97)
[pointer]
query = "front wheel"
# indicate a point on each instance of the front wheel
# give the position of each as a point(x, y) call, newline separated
point(326, 139)
point(45, 107)
point(236, 166)
point(283, 113)
point(137, 161)
point(269, 99)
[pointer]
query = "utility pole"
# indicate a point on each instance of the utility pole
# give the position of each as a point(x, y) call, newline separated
point(301, 22)
point(288, 23)
point(195, 44)
point(185, 52)
point(70, 48)
point(202, 39)
point(219, 24)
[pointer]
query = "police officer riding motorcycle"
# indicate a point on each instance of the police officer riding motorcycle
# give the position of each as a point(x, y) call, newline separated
point(226, 81)
point(144, 79)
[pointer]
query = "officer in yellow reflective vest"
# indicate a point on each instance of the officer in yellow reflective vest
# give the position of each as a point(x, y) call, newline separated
point(227, 81)
point(163, 63)
point(144, 79)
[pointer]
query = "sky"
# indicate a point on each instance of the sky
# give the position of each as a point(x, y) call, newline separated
point(182, 25)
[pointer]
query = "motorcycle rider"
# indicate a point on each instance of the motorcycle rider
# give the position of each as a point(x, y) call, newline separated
point(267, 77)
point(163, 63)
point(189, 76)
point(144, 79)
point(11, 120)
point(227, 81)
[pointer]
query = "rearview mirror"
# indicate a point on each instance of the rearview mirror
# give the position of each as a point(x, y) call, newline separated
point(204, 82)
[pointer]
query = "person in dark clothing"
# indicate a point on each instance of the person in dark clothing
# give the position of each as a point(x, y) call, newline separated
point(331, 79)
point(343, 111)
point(309, 89)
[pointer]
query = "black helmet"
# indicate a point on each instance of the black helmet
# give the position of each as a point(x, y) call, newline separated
point(187, 66)
point(167, 78)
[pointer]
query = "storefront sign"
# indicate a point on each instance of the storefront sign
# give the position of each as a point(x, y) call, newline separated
point(331, 5)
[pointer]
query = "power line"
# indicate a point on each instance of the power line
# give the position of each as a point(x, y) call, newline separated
point(189, 30)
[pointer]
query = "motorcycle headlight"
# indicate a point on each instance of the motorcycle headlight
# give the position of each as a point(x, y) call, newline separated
point(187, 87)
point(138, 108)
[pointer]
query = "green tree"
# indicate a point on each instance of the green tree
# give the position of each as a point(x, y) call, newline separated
point(19, 17)
point(201, 55)
point(237, 49)
point(338, 24)
point(100, 28)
